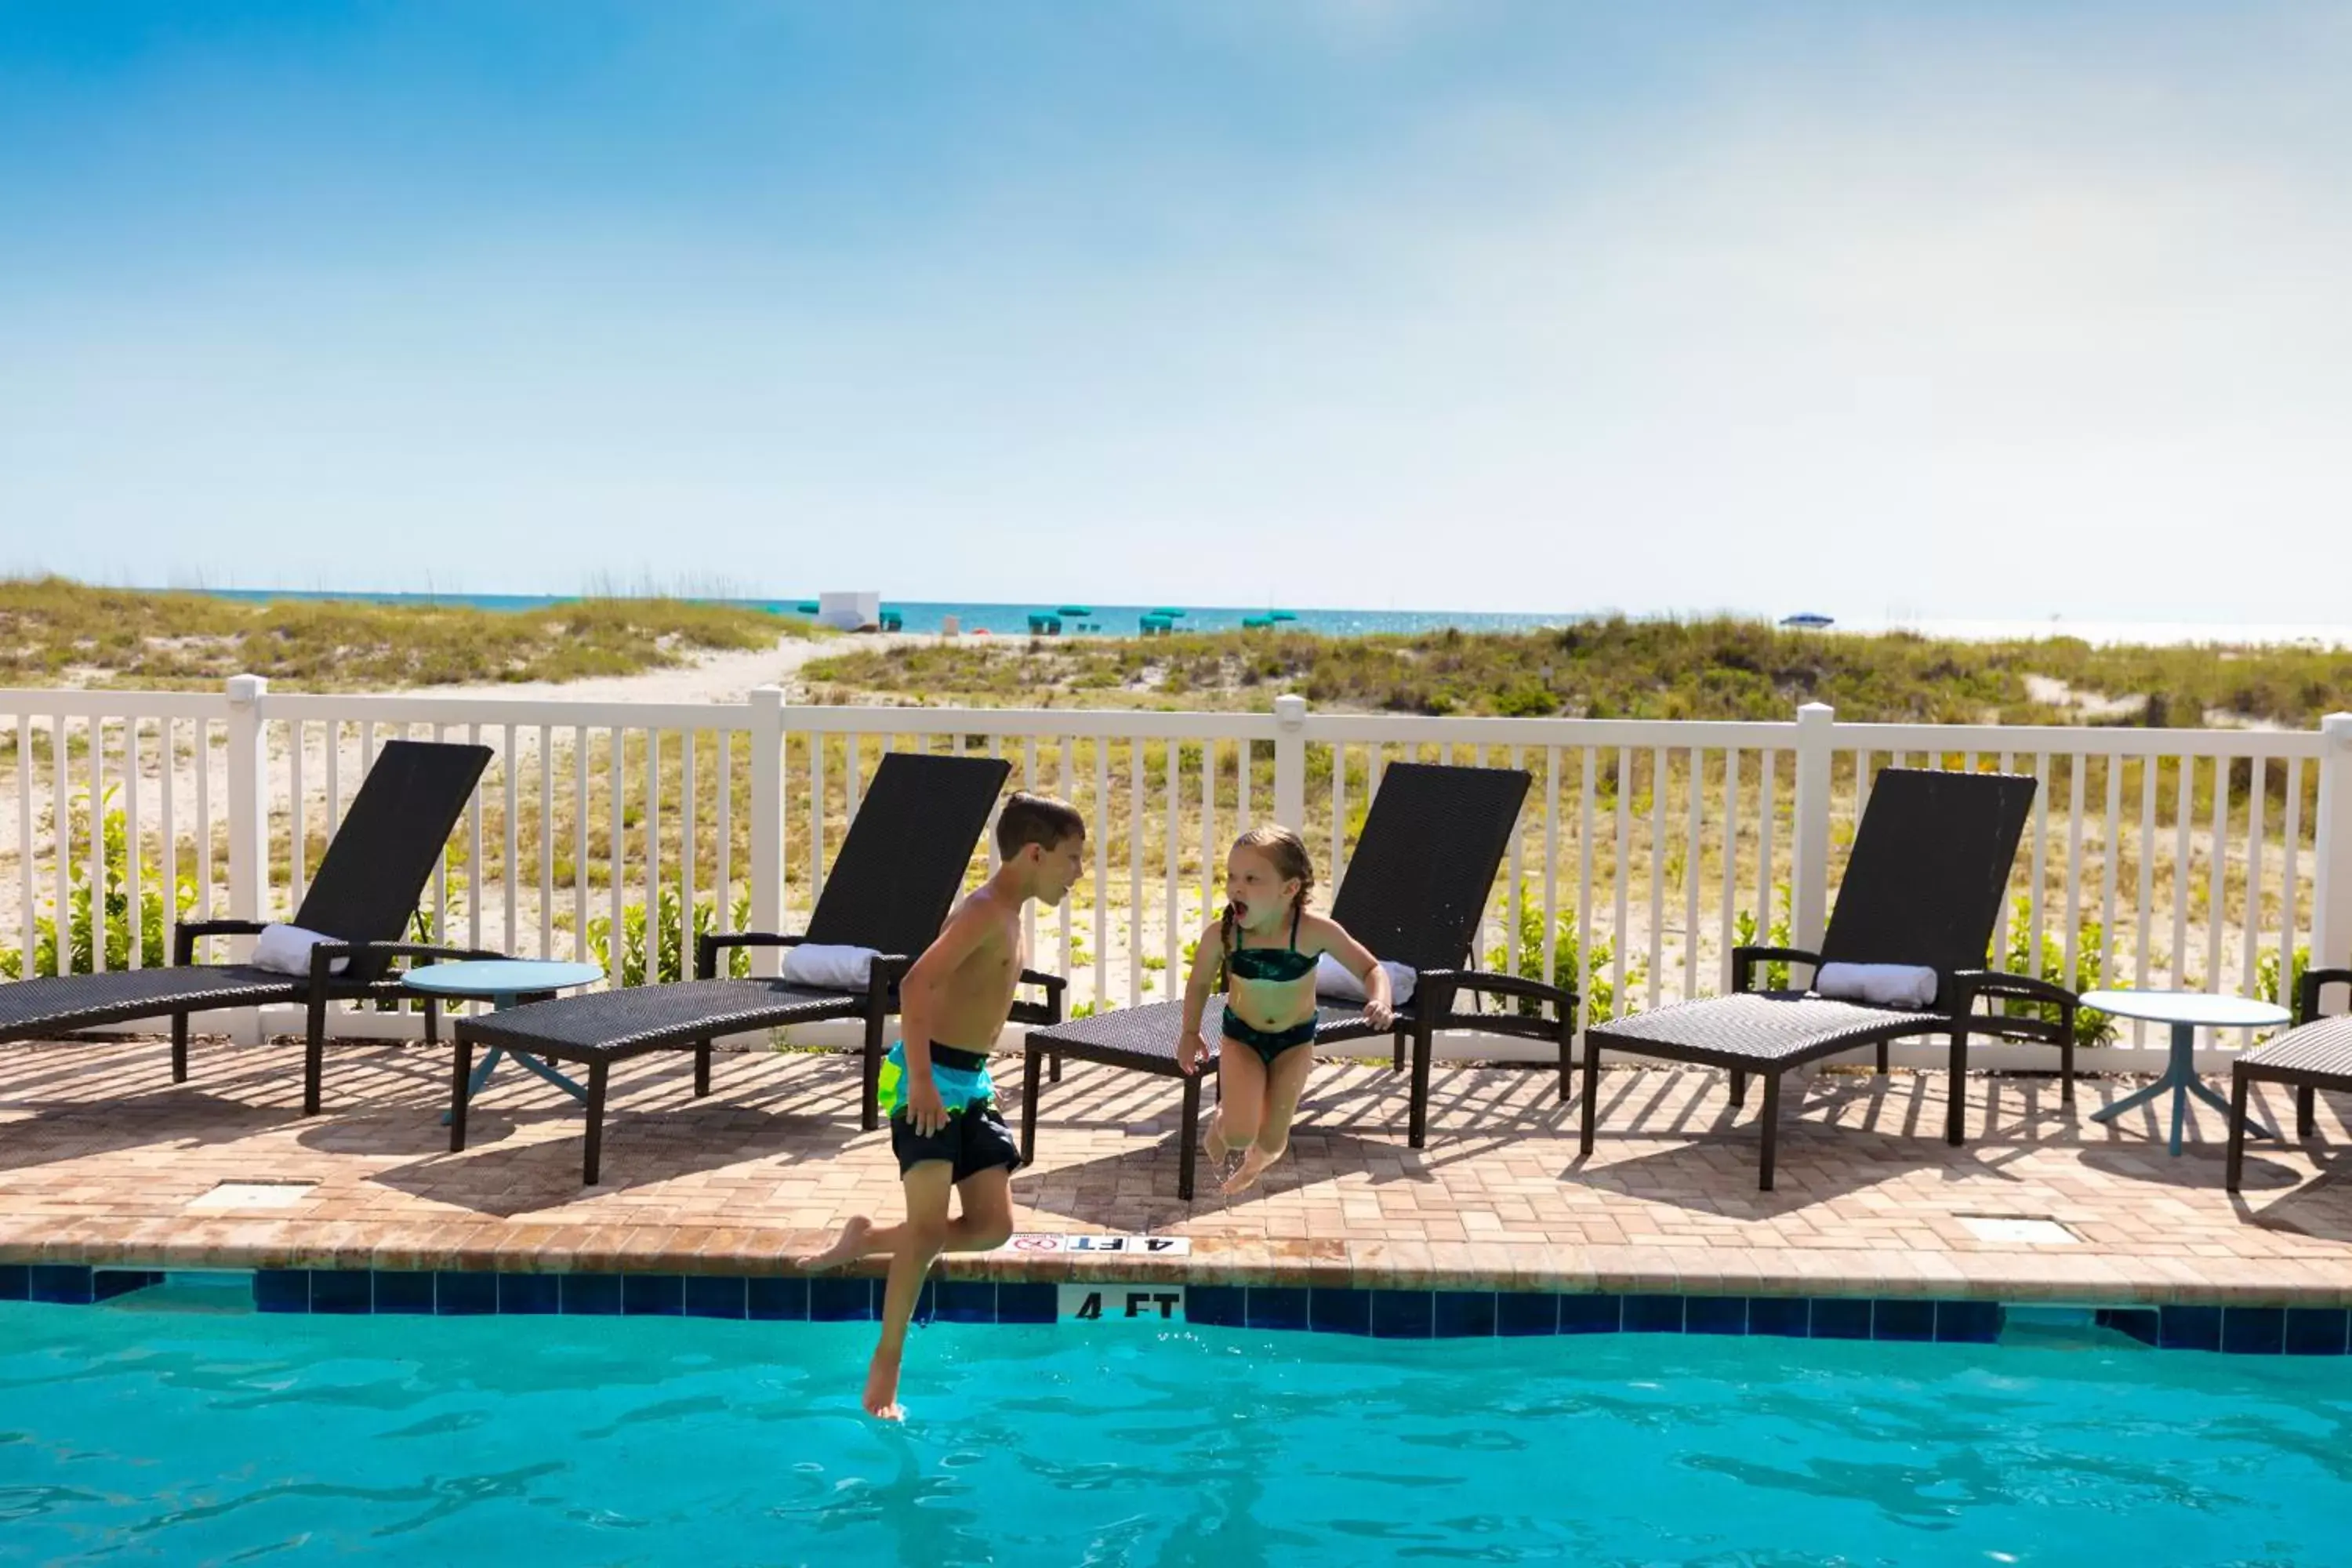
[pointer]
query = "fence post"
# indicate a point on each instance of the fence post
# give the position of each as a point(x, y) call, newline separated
point(2331, 872)
point(766, 868)
point(1808, 872)
point(1290, 762)
point(249, 824)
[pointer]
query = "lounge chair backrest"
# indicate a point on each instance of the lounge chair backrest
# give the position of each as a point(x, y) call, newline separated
point(900, 864)
point(371, 878)
point(1425, 865)
point(1929, 866)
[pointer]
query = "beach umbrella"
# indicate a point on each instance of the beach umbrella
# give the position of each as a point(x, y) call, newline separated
point(1281, 615)
point(1168, 615)
point(1074, 610)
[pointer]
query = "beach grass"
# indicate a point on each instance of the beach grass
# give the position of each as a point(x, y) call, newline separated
point(1619, 669)
point(54, 631)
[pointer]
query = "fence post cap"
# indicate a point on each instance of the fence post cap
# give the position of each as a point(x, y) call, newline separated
point(767, 696)
point(1815, 713)
point(2338, 727)
point(246, 689)
point(1290, 710)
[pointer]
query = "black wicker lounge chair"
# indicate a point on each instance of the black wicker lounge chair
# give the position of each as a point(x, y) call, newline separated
point(890, 890)
point(364, 894)
point(1422, 872)
point(1924, 887)
point(2316, 1054)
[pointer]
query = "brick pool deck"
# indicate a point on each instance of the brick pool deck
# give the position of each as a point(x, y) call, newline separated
point(101, 1155)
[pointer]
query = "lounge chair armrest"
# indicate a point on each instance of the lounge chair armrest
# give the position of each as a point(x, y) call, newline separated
point(189, 933)
point(1487, 982)
point(707, 946)
point(1041, 1014)
point(2306, 990)
point(1968, 985)
point(1744, 960)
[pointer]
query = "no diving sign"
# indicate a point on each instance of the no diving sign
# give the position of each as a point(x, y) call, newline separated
point(1137, 1245)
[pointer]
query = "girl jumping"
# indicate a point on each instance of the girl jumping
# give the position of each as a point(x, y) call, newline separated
point(1261, 952)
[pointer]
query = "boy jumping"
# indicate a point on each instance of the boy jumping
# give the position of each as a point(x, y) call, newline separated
point(944, 1125)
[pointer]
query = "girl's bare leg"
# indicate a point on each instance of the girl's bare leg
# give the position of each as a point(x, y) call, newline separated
point(1240, 1100)
point(1283, 1084)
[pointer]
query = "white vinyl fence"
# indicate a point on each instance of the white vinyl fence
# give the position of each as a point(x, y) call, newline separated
point(2216, 859)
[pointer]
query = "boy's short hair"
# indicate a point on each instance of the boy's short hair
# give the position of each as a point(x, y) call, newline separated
point(1038, 819)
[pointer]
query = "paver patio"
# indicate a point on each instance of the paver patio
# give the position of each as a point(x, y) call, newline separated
point(101, 1155)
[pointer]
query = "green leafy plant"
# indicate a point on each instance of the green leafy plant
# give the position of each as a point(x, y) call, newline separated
point(671, 959)
point(2092, 1026)
point(113, 922)
point(1525, 959)
point(1775, 976)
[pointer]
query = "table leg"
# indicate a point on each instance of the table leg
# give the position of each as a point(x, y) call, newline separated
point(2180, 1078)
point(547, 1071)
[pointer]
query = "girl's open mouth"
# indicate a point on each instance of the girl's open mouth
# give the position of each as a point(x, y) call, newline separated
point(1240, 910)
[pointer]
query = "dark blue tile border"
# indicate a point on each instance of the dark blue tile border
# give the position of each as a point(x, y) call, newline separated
point(1784, 1317)
point(457, 1294)
point(2316, 1331)
point(1404, 1314)
point(1464, 1315)
point(1345, 1309)
point(1715, 1315)
point(720, 1296)
point(771, 1300)
point(653, 1295)
point(1339, 1312)
point(1647, 1315)
point(403, 1291)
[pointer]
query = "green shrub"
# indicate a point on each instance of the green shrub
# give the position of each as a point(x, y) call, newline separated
point(1525, 959)
point(114, 900)
point(2092, 1026)
point(671, 959)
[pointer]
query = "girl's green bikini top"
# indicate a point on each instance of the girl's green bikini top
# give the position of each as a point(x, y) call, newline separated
point(1280, 964)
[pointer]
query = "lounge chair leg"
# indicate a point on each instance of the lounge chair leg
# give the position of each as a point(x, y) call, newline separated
point(869, 1112)
point(1188, 1136)
point(2236, 1168)
point(1771, 1128)
point(701, 1068)
point(1591, 1093)
point(1055, 1062)
point(593, 1163)
point(1396, 1057)
point(1955, 1097)
point(2306, 1106)
point(1029, 1063)
point(1882, 1059)
point(179, 1048)
point(458, 1083)
point(1739, 1089)
point(1567, 1045)
point(1417, 1119)
point(314, 1054)
point(433, 1020)
point(2066, 1065)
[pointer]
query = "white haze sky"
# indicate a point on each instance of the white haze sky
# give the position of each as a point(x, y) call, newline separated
point(1973, 310)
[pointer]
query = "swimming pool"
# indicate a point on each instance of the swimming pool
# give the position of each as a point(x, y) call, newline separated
point(185, 1436)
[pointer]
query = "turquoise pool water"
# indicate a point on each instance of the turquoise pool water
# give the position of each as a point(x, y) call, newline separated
point(135, 1436)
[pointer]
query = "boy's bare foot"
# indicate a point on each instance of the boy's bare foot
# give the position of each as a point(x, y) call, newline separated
point(1244, 1176)
point(1214, 1145)
point(881, 1399)
point(850, 1244)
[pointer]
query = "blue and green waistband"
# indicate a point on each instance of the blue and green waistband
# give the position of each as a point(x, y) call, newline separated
point(962, 1077)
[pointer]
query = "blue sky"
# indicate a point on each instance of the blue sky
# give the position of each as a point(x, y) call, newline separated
point(1967, 311)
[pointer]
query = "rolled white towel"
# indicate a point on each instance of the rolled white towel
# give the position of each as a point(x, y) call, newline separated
point(828, 967)
point(286, 950)
point(1882, 984)
point(1332, 980)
